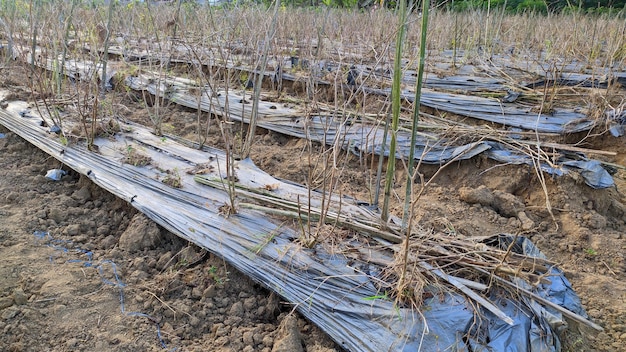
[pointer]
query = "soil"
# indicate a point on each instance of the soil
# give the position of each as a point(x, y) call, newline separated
point(105, 278)
point(83, 271)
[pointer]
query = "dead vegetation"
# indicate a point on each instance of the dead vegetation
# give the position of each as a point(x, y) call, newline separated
point(322, 74)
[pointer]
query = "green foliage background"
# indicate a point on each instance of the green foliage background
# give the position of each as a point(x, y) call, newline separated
point(8, 7)
point(513, 6)
point(543, 6)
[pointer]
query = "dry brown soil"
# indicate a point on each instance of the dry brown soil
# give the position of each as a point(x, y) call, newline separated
point(53, 297)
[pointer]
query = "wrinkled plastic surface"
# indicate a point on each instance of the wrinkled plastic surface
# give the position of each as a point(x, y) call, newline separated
point(592, 172)
point(337, 293)
point(363, 139)
point(531, 319)
point(617, 118)
point(617, 130)
point(55, 129)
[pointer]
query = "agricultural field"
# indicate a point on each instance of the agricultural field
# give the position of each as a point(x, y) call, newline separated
point(261, 178)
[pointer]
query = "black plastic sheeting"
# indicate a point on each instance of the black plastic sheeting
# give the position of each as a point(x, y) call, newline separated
point(337, 293)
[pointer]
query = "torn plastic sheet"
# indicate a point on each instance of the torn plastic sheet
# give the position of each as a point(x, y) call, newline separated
point(449, 322)
point(617, 130)
point(617, 121)
point(532, 320)
point(362, 138)
point(357, 140)
point(429, 151)
point(440, 152)
point(593, 173)
point(492, 110)
point(55, 129)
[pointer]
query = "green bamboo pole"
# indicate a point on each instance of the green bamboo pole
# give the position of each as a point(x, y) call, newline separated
point(395, 107)
point(409, 178)
point(416, 115)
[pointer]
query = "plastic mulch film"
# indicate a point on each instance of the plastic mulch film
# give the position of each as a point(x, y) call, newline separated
point(361, 137)
point(337, 293)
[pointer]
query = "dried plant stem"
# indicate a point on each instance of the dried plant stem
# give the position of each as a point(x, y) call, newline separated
point(537, 163)
point(469, 292)
point(293, 209)
point(546, 302)
point(225, 128)
point(259, 83)
point(174, 30)
point(9, 34)
point(34, 20)
point(68, 26)
point(381, 159)
point(105, 55)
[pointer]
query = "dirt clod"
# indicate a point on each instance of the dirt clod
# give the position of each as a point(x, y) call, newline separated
point(507, 204)
point(82, 195)
point(526, 222)
point(481, 195)
point(236, 310)
point(288, 339)
point(19, 296)
point(140, 234)
point(6, 302)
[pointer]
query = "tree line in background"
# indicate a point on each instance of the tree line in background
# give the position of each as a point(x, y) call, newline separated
point(543, 6)
point(616, 7)
point(513, 6)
